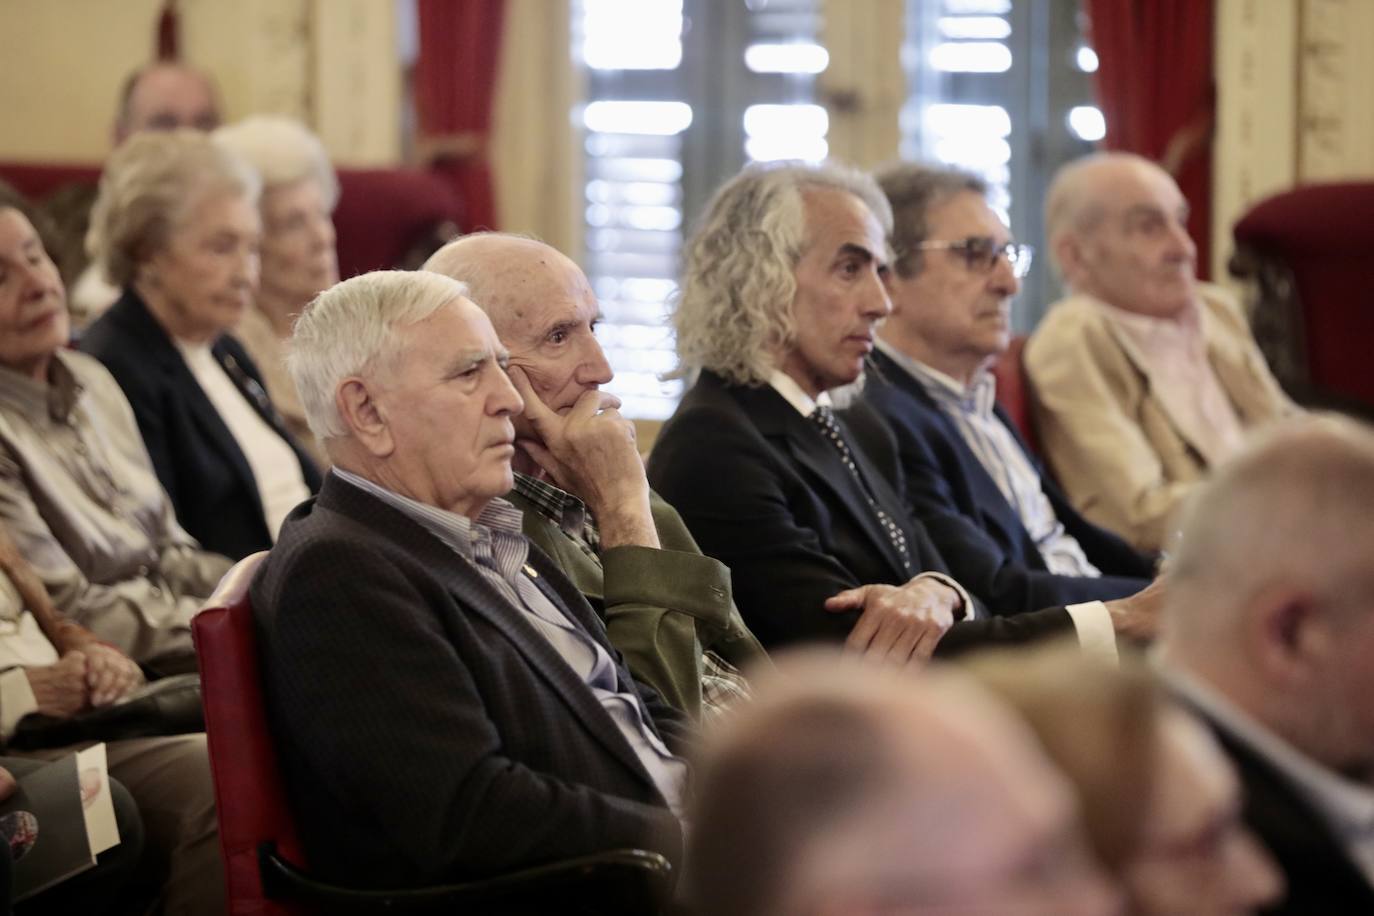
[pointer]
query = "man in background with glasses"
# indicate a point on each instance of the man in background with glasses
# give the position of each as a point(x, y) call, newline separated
point(1008, 533)
point(1144, 377)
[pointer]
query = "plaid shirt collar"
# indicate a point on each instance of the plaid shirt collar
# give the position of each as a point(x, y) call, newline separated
point(566, 511)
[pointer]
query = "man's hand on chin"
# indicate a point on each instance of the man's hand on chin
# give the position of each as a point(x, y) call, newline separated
point(899, 625)
point(591, 452)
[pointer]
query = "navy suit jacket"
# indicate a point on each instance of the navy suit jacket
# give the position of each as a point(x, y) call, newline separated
point(199, 463)
point(763, 491)
point(427, 731)
point(976, 529)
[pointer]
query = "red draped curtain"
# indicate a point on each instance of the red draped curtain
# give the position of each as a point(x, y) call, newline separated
point(455, 90)
point(1154, 85)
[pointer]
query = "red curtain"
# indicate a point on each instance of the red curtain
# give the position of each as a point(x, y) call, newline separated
point(455, 89)
point(1155, 88)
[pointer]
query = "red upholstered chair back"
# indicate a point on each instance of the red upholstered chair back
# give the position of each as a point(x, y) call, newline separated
point(249, 795)
point(1013, 391)
point(1323, 234)
point(382, 215)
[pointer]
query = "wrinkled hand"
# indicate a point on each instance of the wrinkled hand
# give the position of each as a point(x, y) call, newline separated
point(591, 453)
point(110, 674)
point(60, 688)
point(1136, 618)
point(900, 624)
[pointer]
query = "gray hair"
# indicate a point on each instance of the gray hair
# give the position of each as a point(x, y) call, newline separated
point(733, 313)
point(913, 191)
point(150, 184)
point(283, 151)
point(1070, 208)
point(1295, 508)
point(350, 330)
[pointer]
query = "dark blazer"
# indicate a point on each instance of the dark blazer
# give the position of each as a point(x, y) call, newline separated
point(200, 465)
point(976, 529)
point(763, 491)
point(427, 731)
point(1320, 876)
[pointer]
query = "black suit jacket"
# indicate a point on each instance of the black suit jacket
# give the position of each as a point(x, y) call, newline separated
point(427, 731)
point(1321, 878)
point(200, 465)
point(764, 492)
point(976, 529)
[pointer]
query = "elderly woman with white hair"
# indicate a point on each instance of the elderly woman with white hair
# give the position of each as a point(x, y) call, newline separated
point(177, 227)
point(299, 261)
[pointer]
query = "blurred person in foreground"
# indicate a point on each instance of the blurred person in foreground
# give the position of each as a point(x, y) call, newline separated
point(580, 482)
point(298, 258)
point(78, 492)
point(177, 225)
point(1161, 803)
point(1279, 547)
point(845, 789)
point(1143, 377)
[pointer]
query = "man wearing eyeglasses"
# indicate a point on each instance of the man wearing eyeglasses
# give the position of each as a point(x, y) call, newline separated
point(781, 294)
point(1144, 377)
point(1008, 534)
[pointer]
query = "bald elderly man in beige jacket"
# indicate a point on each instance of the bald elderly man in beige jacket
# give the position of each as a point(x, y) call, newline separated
point(1143, 377)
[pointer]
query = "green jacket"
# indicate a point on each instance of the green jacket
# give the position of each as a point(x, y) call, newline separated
point(662, 607)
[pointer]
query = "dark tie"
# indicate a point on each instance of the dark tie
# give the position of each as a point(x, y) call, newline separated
point(824, 417)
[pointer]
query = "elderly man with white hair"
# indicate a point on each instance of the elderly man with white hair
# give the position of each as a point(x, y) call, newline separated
point(1279, 549)
point(298, 257)
point(580, 481)
point(1144, 378)
point(445, 703)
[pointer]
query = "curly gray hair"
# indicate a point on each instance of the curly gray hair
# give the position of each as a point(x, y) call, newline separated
point(151, 183)
point(733, 312)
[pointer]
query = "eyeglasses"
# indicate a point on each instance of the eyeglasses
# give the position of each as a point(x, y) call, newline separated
point(980, 254)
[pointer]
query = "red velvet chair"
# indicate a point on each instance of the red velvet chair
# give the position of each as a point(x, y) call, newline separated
point(1013, 391)
point(1309, 251)
point(258, 840)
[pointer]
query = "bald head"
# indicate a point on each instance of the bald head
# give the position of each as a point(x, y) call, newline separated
point(843, 786)
point(1278, 548)
point(1117, 230)
point(542, 307)
point(164, 96)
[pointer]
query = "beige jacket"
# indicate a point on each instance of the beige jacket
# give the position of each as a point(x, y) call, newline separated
point(1113, 445)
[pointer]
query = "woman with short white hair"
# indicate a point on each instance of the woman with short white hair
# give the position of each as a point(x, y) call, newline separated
point(299, 259)
point(176, 224)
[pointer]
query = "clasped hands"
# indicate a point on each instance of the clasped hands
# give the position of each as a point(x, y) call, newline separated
point(898, 624)
point(93, 675)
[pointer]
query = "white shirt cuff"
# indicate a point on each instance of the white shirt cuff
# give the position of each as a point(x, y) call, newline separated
point(968, 606)
point(1092, 622)
point(16, 700)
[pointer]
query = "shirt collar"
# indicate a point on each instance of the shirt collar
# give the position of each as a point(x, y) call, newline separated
point(557, 505)
point(978, 397)
point(1153, 333)
point(459, 532)
point(793, 394)
point(1343, 802)
point(56, 397)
